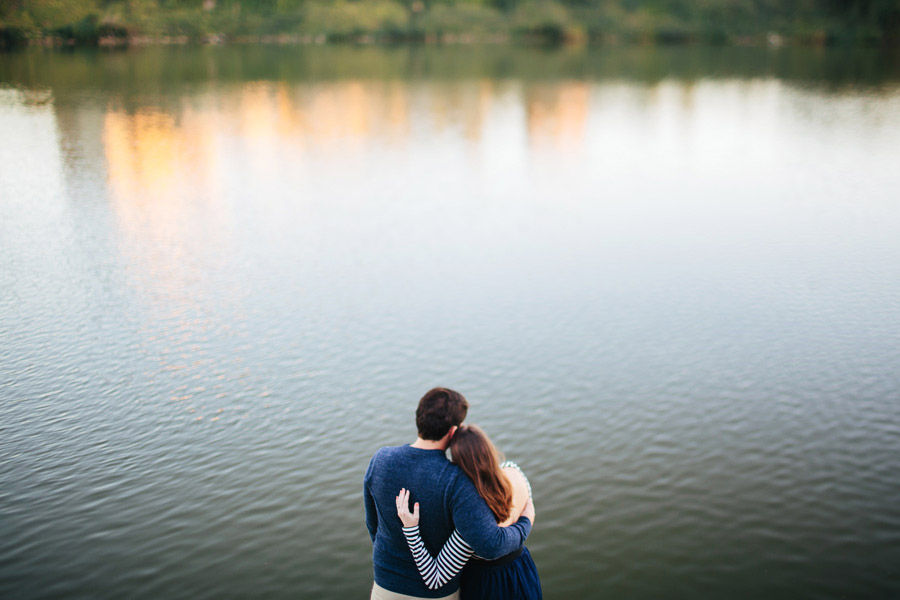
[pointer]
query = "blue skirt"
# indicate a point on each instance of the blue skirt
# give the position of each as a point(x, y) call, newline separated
point(510, 577)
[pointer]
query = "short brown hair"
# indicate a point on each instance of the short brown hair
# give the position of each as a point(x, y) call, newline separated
point(439, 410)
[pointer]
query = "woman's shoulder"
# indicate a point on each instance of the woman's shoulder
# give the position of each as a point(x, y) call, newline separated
point(509, 466)
point(516, 476)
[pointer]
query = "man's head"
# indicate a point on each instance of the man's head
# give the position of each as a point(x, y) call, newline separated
point(439, 411)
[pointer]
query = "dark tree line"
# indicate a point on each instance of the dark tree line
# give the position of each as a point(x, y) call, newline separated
point(743, 21)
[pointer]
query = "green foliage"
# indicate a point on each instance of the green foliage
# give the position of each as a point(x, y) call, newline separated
point(50, 15)
point(33, 18)
point(667, 21)
point(342, 19)
point(462, 19)
point(543, 20)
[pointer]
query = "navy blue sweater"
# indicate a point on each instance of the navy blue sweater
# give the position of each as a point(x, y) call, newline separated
point(447, 499)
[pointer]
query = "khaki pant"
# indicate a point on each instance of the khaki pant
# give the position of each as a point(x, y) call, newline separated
point(379, 593)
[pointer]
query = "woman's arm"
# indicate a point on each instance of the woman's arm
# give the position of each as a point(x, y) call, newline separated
point(521, 489)
point(452, 557)
point(450, 561)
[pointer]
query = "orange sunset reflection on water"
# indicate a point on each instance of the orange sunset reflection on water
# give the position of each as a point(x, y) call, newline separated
point(178, 169)
point(152, 151)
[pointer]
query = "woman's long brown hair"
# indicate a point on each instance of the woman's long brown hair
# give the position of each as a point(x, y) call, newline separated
point(478, 458)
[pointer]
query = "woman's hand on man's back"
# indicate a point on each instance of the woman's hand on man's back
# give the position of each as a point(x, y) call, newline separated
point(410, 519)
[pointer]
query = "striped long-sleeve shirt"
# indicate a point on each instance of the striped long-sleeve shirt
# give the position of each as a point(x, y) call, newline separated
point(450, 561)
point(453, 556)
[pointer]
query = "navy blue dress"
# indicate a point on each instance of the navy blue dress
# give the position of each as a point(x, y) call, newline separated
point(510, 577)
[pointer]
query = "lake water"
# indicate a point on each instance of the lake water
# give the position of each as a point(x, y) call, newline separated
point(667, 280)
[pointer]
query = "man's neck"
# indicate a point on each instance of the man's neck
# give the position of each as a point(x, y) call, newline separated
point(430, 444)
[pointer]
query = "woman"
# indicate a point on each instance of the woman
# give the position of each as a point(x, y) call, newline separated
point(506, 490)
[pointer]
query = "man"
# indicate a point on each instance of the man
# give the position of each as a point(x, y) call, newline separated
point(446, 496)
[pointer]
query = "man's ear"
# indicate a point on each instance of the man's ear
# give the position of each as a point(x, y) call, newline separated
point(452, 431)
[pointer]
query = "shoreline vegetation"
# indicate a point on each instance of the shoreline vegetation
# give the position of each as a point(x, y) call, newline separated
point(116, 23)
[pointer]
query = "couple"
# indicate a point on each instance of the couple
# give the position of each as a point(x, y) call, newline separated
point(475, 513)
